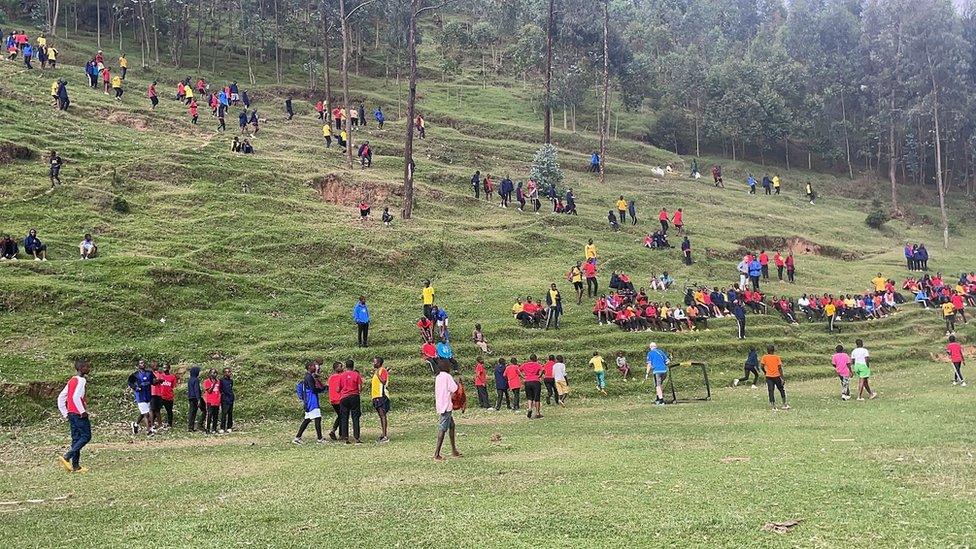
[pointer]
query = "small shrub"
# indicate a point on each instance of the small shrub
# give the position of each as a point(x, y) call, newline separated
point(120, 205)
point(876, 219)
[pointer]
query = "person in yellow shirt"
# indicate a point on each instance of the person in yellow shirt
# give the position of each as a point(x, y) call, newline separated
point(123, 64)
point(575, 276)
point(342, 139)
point(188, 90)
point(776, 183)
point(598, 370)
point(428, 298)
point(41, 41)
point(622, 209)
point(52, 57)
point(589, 251)
point(117, 86)
point(54, 92)
point(327, 135)
point(830, 311)
point(949, 314)
point(381, 399)
point(879, 283)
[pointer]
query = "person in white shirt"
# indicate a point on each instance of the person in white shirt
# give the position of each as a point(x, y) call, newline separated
point(444, 388)
point(562, 383)
point(87, 247)
point(862, 370)
point(74, 407)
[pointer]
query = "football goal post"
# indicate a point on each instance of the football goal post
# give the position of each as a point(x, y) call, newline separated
point(688, 381)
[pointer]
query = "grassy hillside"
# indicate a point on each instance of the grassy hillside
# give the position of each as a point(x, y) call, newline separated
point(231, 260)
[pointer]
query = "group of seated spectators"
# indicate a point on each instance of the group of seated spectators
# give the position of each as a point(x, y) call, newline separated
point(634, 312)
point(35, 248)
point(530, 313)
point(242, 146)
point(932, 291)
point(659, 239)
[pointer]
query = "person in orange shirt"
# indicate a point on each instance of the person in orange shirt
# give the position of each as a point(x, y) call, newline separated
point(772, 366)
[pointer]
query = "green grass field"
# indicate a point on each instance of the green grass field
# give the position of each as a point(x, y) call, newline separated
point(226, 260)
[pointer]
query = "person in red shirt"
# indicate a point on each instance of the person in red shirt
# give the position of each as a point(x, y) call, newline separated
point(194, 111)
point(211, 397)
point(956, 357)
point(959, 305)
point(589, 272)
point(107, 79)
point(481, 383)
point(167, 383)
point(151, 94)
point(764, 263)
point(790, 268)
point(778, 260)
point(533, 371)
point(514, 382)
point(678, 221)
point(350, 385)
point(549, 380)
point(426, 327)
point(459, 399)
point(600, 310)
point(156, 400)
point(334, 398)
point(73, 406)
point(663, 218)
point(320, 108)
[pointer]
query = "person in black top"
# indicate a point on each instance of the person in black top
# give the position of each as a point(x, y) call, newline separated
point(476, 184)
point(55, 171)
point(288, 108)
point(254, 120)
point(226, 403)
point(686, 250)
point(246, 147)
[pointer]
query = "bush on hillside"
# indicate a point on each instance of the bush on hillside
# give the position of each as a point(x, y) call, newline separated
point(120, 205)
point(878, 217)
point(545, 169)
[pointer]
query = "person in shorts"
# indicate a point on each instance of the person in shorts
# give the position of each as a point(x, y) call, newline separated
point(657, 364)
point(532, 372)
point(562, 382)
point(140, 382)
point(862, 369)
point(842, 365)
point(381, 399)
point(444, 388)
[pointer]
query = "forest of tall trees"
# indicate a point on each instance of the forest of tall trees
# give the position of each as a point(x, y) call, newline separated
point(853, 86)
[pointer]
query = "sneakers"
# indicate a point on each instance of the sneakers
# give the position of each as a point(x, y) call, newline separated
point(221, 431)
point(383, 440)
point(963, 384)
point(735, 382)
point(320, 441)
point(860, 399)
point(873, 396)
point(230, 430)
point(296, 440)
point(65, 463)
point(786, 407)
point(845, 397)
point(954, 383)
point(134, 427)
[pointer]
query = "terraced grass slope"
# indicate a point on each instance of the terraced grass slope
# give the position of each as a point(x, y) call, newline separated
point(241, 261)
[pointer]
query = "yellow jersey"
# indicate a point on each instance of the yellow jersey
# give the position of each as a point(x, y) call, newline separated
point(54, 88)
point(830, 309)
point(575, 275)
point(589, 251)
point(41, 41)
point(597, 363)
point(123, 62)
point(52, 54)
point(621, 204)
point(948, 310)
point(377, 386)
point(879, 283)
point(327, 130)
point(428, 295)
point(517, 308)
point(116, 81)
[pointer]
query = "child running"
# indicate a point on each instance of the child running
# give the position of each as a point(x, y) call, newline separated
point(954, 349)
point(772, 366)
point(751, 367)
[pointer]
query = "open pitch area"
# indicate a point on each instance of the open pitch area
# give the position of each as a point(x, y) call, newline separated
point(211, 258)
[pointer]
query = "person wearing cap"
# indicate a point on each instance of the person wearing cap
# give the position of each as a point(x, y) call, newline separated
point(657, 364)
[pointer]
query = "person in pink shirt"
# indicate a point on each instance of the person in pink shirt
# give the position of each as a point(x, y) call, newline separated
point(532, 371)
point(444, 387)
point(842, 365)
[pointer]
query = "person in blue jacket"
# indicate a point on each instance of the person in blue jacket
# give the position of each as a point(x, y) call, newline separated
point(752, 184)
point(755, 271)
point(595, 162)
point(242, 120)
point(923, 258)
point(34, 246)
point(140, 382)
point(378, 115)
point(657, 364)
point(310, 387)
point(501, 386)
point(360, 314)
point(194, 397)
point(28, 54)
point(739, 312)
point(92, 69)
point(227, 399)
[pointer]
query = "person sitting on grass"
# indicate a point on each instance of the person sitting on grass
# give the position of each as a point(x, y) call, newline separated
point(478, 337)
point(34, 246)
point(246, 147)
point(601, 311)
point(922, 297)
point(87, 247)
point(387, 217)
point(8, 248)
point(612, 220)
point(363, 210)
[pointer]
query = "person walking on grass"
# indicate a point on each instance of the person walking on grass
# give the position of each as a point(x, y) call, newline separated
point(501, 386)
point(55, 162)
point(949, 315)
point(954, 349)
point(842, 365)
point(554, 307)
point(772, 366)
point(739, 312)
point(532, 371)
point(140, 383)
point(380, 397)
point(444, 389)
point(360, 314)
point(335, 379)
point(73, 406)
point(862, 369)
point(751, 368)
point(561, 380)
point(657, 364)
point(308, 391)
point(514, 380)
point(350, 385)
point(549, 380)
point(575, 276)
point(599, 372)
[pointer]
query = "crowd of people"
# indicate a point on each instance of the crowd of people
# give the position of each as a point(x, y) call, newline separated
point(522, 193)
point(35, 248)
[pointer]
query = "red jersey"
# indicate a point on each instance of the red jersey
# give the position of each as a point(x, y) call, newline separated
point(194, 109)
point(589, 270)
point(531, 370)
point(167, 386)
point(663, 216)
point(677, 218)
point(955, 351)
point(547, 369)
point(211, 392)
point(480, 376)
point(333, 383)
point(512, 376)
point(350, 383)
point(763, 259)
point(957, 302)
